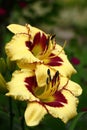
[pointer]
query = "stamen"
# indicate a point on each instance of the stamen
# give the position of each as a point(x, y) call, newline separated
point(53, 36)
point(57, 74)
point(47, 44)
point(47, 81)
point(51, 85)
point(59, 51)
point(63, 47)
point(48, 72)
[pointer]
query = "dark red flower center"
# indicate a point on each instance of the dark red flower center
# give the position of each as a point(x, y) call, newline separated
point(48, 94)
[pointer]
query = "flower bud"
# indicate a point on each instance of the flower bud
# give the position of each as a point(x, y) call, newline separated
point(3, 88)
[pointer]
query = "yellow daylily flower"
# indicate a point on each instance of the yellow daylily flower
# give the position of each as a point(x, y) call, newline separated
point(31, 46)
point(58, 96)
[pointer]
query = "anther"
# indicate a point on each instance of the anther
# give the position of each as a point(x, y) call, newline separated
point(53, 36)
point(48, 71)
point(57, 74)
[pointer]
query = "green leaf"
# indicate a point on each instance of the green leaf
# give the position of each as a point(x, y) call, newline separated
point(75, 120)
point(3, 87)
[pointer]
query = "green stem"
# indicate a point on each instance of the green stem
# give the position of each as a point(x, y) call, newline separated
point(20, 115)
point(22, 123)
point(11, 113)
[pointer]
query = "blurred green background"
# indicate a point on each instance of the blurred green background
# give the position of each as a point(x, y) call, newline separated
point(68, 20)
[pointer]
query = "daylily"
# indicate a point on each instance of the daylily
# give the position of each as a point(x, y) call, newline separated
point(42, 80)
point(31, 47)
point(58, 96)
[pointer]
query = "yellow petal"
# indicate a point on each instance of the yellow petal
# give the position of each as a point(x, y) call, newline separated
point(17, 88)
point(34, 113)
point(58, 49)
point(16, 28)
point(22, 64)
point(73, 87)
point(66, 112)
point(17, 50)
point(66, 69)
